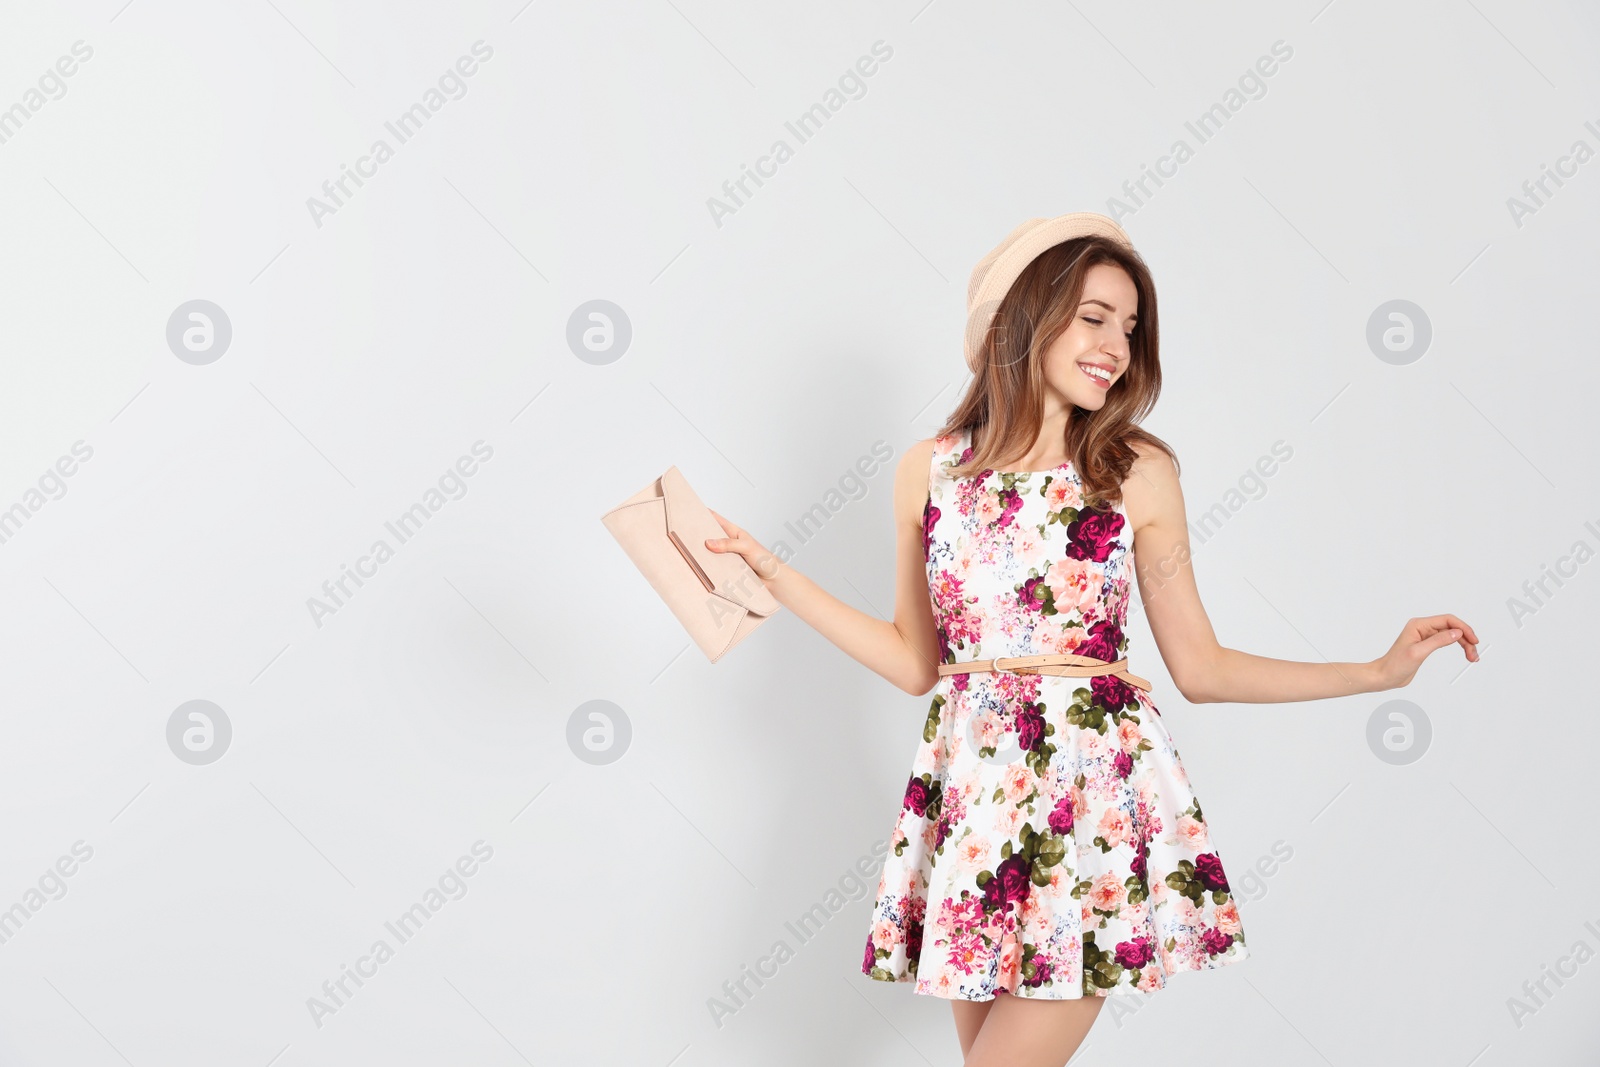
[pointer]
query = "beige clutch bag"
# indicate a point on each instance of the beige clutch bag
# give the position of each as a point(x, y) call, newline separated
point(717, 597)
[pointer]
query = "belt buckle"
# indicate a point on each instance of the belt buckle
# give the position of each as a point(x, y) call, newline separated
point(995, 668)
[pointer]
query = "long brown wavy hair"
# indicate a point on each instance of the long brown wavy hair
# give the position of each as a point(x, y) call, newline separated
point(1007, 394)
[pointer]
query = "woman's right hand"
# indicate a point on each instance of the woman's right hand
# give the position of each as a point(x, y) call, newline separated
point(764, 563)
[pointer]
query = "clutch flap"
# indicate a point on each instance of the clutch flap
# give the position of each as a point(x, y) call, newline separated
point(689, 524)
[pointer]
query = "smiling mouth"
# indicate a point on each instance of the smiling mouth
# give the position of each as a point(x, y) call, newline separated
point(1099, 375)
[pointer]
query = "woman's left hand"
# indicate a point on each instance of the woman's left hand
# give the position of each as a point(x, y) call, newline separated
point(1417, 641)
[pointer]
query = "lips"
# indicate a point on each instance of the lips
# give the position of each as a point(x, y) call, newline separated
point(1104, 383)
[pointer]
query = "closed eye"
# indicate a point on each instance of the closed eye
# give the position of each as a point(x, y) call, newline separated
point(1097, 322)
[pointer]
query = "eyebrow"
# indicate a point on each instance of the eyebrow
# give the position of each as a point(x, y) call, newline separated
point(1108, 307)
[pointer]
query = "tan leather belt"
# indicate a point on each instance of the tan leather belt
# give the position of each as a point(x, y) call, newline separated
point(1058, 664)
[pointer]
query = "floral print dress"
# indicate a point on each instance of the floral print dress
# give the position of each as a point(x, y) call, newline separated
point(1049, 844)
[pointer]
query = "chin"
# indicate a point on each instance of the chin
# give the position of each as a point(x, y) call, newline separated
point(1090, 401)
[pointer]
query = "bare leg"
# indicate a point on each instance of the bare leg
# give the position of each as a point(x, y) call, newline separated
point(1032, 1033)
point(969, 1020)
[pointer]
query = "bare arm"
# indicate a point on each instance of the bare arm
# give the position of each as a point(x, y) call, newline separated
point(1206, 672)
point(905, 651)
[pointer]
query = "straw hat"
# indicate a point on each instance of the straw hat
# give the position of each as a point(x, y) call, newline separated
point(995, 272)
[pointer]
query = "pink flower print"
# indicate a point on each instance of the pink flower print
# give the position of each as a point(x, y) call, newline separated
point(1215, 941)
point(1115, 827)
point(1031, 550)
point(1123, 764)
point(1031, 595)
point(1092, 534)
point(868, 960)
point(1108, 690)
point(1010, 971)
point(1010, 504)
point(1010, 883)
point(1107, 893)
point(1061, 816)
point(967, 953)
point(988, 730)
point(887, 933)
point(1009, 821)
point(1037, 917)
point(1193, 833)
point(1030, 726)
point(1129, 735)
point(1149, 980)
point(1074, 585)
point(972, 854)
point(930, 518)
point(1018, 782)
point(1228, 917)
point(1041, 972)
point(1139, 866)
point(918, 793)
point(1208, 869)
point(1062, 492)
point(989, 509)
point(1135, 953)
point(1102, 643)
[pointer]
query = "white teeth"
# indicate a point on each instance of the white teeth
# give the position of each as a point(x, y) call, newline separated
point(1098, 372)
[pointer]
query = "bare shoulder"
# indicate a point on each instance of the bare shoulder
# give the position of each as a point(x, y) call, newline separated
point(911, 479)
point(1151, 492)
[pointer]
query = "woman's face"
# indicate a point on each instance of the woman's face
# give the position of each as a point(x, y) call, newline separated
point(1085, 362)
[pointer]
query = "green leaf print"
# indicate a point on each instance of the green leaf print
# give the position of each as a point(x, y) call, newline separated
point(1100, 968)
point(930, 729)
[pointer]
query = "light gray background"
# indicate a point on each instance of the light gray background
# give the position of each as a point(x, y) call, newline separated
point(768, 355)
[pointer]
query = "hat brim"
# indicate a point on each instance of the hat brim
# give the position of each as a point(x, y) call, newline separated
point(996, 272)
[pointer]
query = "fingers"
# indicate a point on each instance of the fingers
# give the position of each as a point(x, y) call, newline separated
point(723, 544)
point(1466, 636)
point(731, 543)
point(1440, 639)
point(1450, 622)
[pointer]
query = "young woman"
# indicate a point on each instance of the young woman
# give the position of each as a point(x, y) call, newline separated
point(1049, 846)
